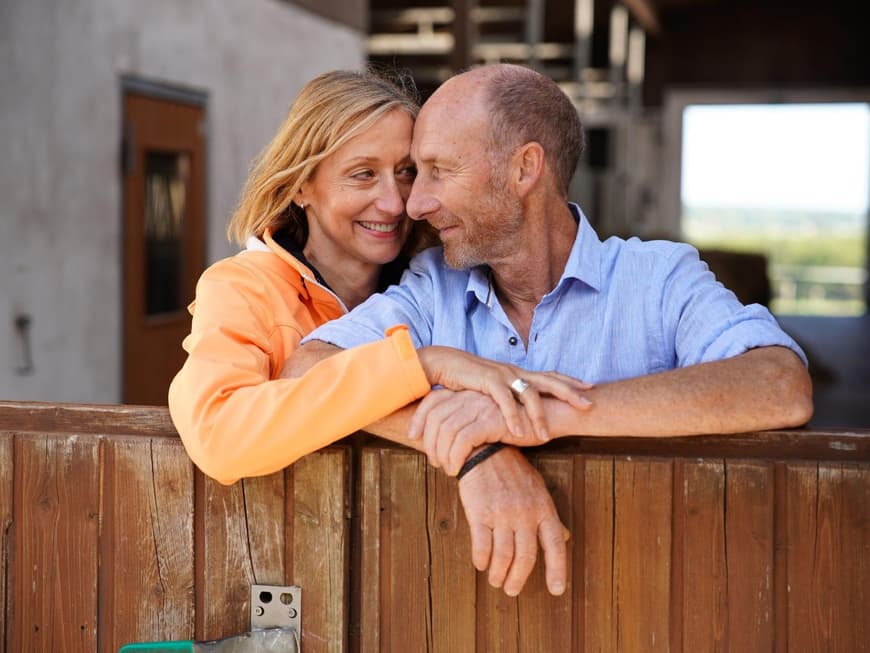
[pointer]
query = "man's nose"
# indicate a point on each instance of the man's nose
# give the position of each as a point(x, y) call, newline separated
point(389, 199)
point(420, 202)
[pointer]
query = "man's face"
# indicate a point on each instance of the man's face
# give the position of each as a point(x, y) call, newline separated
point(460, 189)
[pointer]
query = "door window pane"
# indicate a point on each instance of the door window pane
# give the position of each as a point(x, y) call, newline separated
point(166, 178)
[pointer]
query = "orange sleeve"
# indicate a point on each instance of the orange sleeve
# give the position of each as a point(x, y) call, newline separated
point(236, 420)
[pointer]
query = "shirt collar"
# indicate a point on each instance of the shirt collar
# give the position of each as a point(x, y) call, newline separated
point(584, 264)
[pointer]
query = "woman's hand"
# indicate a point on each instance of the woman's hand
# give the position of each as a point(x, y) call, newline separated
point(509, 386)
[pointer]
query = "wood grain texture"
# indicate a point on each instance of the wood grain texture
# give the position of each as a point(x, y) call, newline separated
point(704, 604)
point(642, 554)
point(147, 578)
point(750, 541)
point(371, 506)
point(828, 543)
point(599, 582)
point(7, 476)
point(108, 535)
point(545, 621)
point(320, 542)
point(53, 584)
point(453, 577)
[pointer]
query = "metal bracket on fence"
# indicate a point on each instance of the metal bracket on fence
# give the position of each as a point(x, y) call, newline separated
point(276, 606)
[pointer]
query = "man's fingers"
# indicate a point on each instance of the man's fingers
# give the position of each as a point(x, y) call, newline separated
point(502, 555)
point(418, 421)
point(526, 543)
point(481, 546)
point(553, 536)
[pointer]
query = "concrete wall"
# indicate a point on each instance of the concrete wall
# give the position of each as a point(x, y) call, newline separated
point(60, 126)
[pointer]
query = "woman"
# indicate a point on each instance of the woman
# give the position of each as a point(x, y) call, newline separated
point(323, 218)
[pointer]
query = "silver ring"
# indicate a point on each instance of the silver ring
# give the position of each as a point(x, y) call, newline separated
point(519, 386)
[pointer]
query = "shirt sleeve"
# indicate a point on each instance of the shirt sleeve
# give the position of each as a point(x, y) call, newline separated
point(410, 303)
point(236, 419)
point(706, 321)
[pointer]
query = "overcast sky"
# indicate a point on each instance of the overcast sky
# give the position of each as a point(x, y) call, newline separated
point(814, 156)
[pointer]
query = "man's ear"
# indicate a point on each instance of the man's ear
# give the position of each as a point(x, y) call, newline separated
point(527, 167)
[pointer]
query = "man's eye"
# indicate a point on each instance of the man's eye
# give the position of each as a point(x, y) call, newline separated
point(408, 173)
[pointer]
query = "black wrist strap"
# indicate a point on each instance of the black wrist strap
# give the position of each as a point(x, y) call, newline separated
point(478, 458)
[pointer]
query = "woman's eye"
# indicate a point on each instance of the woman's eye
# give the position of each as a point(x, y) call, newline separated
point(363, 175)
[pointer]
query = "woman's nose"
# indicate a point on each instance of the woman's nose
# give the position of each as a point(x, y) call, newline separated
point(390, 199)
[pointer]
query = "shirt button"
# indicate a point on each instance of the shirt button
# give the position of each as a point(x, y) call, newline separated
point(512, 340)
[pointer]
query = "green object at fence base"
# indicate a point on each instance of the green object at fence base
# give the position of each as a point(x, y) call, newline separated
point(270, 640)
point(186, 646)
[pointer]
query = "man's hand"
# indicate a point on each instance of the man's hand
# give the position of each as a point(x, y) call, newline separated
point(509, 511)
point(452, 424)
point(458, 370)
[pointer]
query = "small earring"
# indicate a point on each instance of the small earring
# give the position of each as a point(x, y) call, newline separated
point(302, 205)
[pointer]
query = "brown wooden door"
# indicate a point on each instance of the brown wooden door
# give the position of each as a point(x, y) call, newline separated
point(163, 238)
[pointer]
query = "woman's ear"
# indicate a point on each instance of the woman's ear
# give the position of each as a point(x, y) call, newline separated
point(299, 200)
point(527, 167)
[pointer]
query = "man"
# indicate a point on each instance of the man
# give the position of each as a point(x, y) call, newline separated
point(523, 279)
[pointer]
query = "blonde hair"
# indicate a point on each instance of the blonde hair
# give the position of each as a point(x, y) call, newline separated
point(330, 110)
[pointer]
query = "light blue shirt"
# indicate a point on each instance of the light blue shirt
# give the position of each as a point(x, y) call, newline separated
point(622, 308)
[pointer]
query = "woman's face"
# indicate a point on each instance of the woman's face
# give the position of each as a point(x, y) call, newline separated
point(355, 202)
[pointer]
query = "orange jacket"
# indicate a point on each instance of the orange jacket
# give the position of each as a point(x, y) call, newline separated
point(235, 417)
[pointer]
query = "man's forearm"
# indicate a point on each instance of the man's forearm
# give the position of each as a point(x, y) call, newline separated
point(762, 389)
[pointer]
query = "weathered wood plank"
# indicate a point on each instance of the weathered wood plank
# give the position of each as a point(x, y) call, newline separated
point(147, 565)
point(497, 619)
point(599, 583)
point(642, 554)
point(225, 570)
point(453, 576)
point(829, 518)
point(405, 607)
point(6, 477)
point(320, 541)
point(704, 604)
point(750, 541)
point(371, 503)
point(850, 484)
point(94, 419)
point(545, 621)
point(53, 581)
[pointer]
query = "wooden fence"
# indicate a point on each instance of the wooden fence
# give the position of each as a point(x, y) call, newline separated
point(750, 543)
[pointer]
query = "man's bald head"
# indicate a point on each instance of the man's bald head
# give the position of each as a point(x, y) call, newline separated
point(519, 105)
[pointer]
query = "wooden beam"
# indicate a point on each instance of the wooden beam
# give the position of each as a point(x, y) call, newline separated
point(645, 13)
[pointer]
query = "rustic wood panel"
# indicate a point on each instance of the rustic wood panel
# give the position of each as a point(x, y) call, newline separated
point(318, 547)
point(405, 606)
point(828, 546)
point(370, 555)
point(545, 621)
point(642, 554)
point(743, 546)
point(598, 581)
point(704, 572)
point(147, 579)
point(750, 540)
point(6, 479)
point(54, 560)
point(453, 577)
